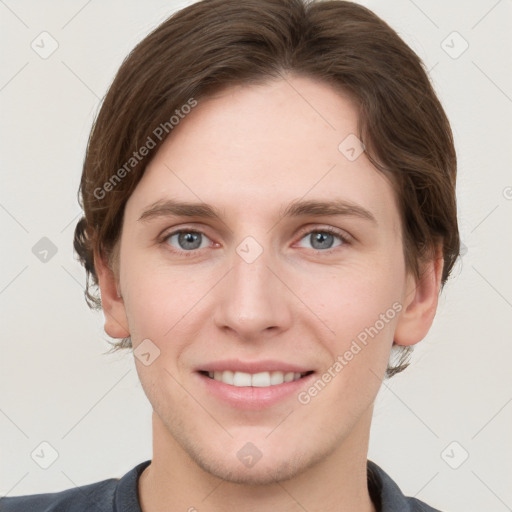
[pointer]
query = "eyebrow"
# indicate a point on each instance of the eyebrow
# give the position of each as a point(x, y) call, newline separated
point(297, 208)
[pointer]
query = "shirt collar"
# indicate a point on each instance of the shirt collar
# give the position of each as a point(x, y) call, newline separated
point(384, 492)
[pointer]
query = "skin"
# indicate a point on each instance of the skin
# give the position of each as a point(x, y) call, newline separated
point(250, 151)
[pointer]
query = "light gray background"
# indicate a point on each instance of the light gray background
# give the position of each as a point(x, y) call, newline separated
point(58, 386)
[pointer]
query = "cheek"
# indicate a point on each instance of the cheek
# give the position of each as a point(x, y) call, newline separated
point(156, 304)
point(160, 309)
point(168, 306)
point(354, 298)
point(361, 305)
point(362, 309)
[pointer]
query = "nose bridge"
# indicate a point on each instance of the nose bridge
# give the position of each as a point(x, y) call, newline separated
point(253, 300)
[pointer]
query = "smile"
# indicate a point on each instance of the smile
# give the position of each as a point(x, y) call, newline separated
point(257, 380)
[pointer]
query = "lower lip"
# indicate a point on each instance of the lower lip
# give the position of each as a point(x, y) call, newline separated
point(253, 398)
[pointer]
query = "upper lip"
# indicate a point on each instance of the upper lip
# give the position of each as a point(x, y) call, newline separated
point(267, 365)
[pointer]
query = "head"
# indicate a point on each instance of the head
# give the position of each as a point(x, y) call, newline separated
point(272, 113)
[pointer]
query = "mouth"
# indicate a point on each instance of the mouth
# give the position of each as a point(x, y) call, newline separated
point(263, 379)
point(255, 385)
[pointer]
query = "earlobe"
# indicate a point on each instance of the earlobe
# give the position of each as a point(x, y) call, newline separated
point(116, 322)
point(420, 303)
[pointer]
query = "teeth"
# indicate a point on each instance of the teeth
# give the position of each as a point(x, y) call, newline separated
point(257, 380)
point(241, 379)
point(260, 380)
point(276, 378)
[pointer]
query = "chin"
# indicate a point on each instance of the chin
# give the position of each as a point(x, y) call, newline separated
point(259, 475)
point(266, 471)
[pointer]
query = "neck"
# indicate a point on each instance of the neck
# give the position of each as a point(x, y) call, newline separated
point(338, 482)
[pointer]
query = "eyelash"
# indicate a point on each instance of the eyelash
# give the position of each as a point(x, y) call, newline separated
point(327, 229)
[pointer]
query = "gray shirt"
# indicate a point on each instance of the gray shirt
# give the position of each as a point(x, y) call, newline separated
point(121, 495)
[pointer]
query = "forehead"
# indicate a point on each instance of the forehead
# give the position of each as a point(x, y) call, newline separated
point(255, 148)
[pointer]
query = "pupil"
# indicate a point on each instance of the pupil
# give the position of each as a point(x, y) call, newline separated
point(322, 241)
point(189, 240)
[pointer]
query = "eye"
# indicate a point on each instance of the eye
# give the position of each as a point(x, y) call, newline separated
point(186, 240)
point(323, 239)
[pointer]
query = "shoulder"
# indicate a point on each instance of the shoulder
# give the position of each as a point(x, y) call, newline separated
point(386, 493)
point(98, 497)
point(109, 495)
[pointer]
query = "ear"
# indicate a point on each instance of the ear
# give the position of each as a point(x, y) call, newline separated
point(420, 302)
point(116, 322)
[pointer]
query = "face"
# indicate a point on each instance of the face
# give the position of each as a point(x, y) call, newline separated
point(269, 308)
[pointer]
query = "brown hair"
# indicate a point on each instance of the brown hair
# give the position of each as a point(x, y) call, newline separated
point(214, 44)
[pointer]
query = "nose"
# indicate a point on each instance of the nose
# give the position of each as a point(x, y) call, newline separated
point(253, 302)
